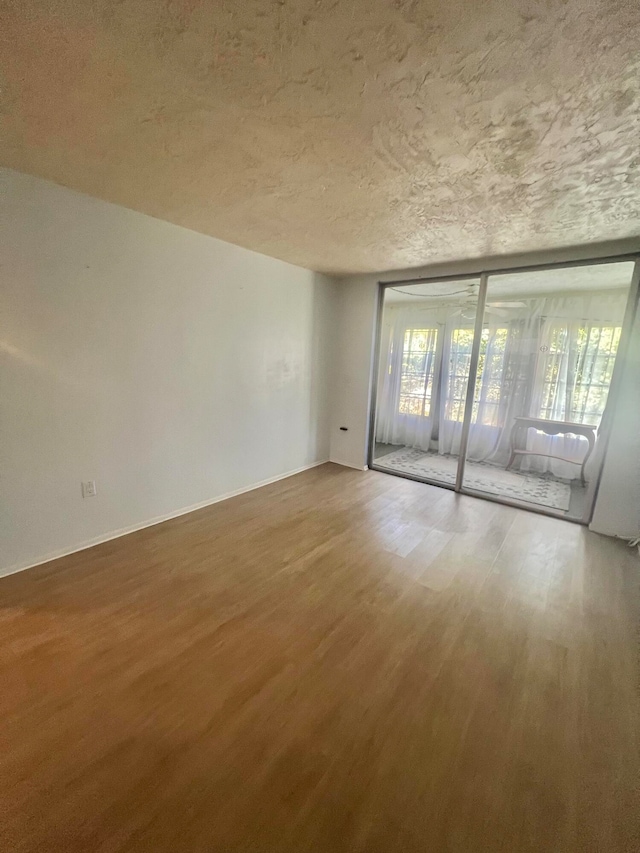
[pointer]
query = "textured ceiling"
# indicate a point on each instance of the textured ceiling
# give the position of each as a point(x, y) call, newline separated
point(343, 135)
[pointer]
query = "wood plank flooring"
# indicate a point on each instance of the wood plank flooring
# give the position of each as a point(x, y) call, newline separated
point(341, 661)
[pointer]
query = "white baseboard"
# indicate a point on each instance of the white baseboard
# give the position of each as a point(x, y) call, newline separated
point(627, 536)
point(349, 464)
point(124, 531)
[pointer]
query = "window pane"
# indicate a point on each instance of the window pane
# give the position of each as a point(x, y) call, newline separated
point(576, 372)
point(410, 406)
point(416, 377)
point(415, 363)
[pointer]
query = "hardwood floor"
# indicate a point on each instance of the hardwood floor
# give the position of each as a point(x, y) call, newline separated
point(341, 661)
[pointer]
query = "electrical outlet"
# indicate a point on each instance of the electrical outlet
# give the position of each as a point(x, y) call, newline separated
point(89, 489)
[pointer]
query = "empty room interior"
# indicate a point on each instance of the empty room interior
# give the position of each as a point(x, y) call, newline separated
point(319, 426)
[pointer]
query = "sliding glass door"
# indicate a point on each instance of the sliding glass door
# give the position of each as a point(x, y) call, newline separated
point(425, 358)
point(547, 354)
point(498, 384)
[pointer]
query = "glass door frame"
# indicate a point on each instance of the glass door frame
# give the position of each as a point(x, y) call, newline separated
point(484, 275)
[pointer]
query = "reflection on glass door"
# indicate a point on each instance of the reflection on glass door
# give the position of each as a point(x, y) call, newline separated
point(545, 364)
point(425, 355)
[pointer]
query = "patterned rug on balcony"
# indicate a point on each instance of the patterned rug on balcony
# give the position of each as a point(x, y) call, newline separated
point(533, 488)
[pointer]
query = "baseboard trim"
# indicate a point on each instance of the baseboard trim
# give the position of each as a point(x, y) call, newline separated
point(124, 531)
point(629, 538)
point(349, 465)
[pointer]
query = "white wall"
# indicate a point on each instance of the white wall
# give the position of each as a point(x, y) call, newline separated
point(357, 300)
point(170, 367)
point(617, 509)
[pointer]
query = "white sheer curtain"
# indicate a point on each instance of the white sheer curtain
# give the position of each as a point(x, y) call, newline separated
point(456, 356)
point(578, 341)
point(506, 366)
point(503, 386)
point(406, 384)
